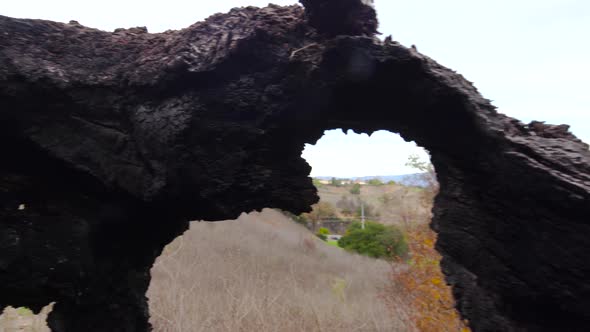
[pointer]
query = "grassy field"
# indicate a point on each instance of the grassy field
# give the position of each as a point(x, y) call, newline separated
point(333, 243)
point(262, 273)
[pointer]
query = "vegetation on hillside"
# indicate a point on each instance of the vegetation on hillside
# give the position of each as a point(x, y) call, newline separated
point(375, 240)
point(320, 211)
point(356, 189)
point(416, 276)
point(389, 203)
point(323, 233)
point(375, 182)
point(336, 182)
point(422, 282)
point(350, 207)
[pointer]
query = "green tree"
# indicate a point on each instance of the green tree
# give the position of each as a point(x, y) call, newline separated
point(428, 174)
point(356, 189)
point(336, 182)
point(375, 182)
point(316, 182)
point(323, 233)
point(321, 210)
point(376, 240)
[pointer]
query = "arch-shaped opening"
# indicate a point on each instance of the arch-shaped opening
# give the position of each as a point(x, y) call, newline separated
point(271, 271)
point(376, 196)
point(382, 171)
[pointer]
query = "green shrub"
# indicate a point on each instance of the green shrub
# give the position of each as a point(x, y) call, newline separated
point(24, 311)
point(356, 189)
point(336, 182)
point(376, 240)
point(323, 233)
point(316, 183)
point(375, 182)
point(301, 219)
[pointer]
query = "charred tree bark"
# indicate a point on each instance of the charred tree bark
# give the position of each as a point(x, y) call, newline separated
point(113, 141)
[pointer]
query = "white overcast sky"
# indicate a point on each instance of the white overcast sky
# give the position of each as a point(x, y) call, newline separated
point(531, 58)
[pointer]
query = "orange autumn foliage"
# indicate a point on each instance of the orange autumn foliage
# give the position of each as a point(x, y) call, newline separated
point(423, 288)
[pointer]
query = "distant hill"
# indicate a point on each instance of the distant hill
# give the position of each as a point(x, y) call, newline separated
point(413, 179)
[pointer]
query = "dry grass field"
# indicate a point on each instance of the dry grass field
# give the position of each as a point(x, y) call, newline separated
point(396, 204)
point(263, 273)
point(23, 320)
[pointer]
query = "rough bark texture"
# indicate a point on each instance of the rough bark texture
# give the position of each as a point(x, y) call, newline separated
point(113, 141)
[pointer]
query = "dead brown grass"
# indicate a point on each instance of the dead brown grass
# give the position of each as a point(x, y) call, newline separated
point(262, 273)
point(23, 320)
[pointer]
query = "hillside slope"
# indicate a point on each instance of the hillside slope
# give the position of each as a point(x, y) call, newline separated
point(394, 203)
point(263, 272)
